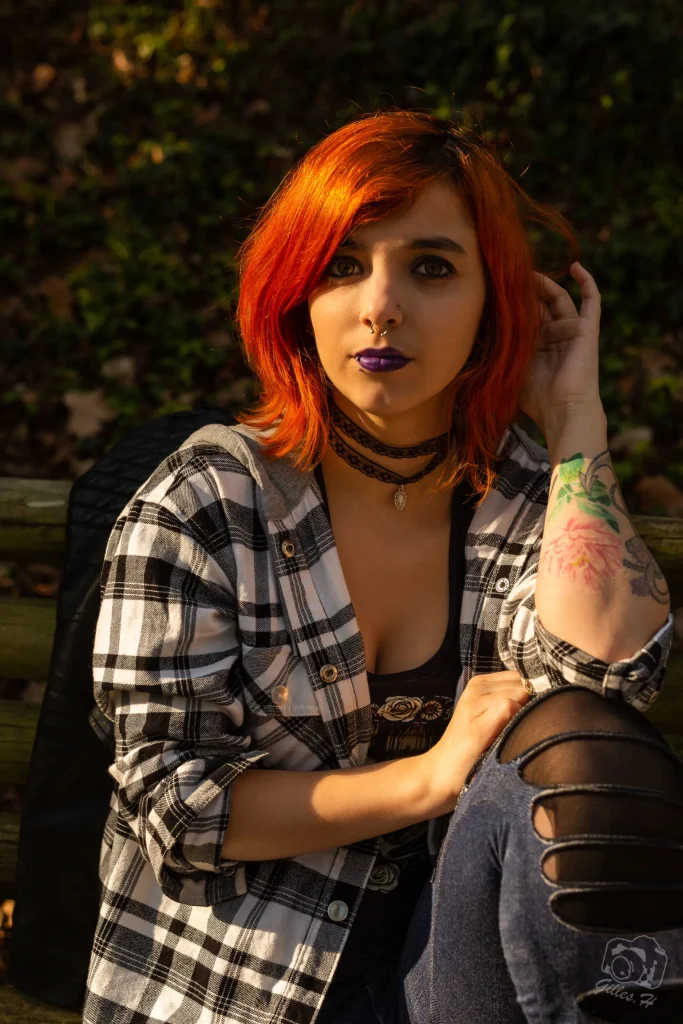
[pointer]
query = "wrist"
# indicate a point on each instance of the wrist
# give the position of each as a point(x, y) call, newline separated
point(583, 432)
point(560, 420)
point(439, 788)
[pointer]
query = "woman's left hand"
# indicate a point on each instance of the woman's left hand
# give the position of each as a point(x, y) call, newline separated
point(562, 378)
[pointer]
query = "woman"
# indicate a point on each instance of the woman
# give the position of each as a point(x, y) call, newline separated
point(304, 596)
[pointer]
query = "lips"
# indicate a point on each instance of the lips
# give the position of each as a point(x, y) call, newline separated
point(381, 353)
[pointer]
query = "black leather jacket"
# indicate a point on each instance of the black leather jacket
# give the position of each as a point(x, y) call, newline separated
point(66, 797)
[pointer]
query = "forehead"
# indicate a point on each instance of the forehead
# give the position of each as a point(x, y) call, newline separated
point(438, 210)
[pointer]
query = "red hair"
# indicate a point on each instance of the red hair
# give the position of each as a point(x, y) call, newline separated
point(378, 165)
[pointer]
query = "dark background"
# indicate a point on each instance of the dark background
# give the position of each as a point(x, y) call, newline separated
point(139, 139)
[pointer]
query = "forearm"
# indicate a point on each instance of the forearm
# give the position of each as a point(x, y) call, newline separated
point(598, 586)
point(277, 813)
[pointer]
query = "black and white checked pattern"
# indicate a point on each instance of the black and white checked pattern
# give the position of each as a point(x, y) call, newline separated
point(221, 581)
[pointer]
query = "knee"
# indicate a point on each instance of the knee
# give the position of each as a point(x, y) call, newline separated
point(612, 808)
point(578, 738)
point(577, 710)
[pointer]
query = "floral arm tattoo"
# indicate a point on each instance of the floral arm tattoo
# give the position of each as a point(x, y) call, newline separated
point(593, 548)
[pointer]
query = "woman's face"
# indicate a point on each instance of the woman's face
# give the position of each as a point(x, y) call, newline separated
point(424, 272)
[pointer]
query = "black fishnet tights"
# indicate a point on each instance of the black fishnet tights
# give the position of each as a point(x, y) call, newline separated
point(616, 815)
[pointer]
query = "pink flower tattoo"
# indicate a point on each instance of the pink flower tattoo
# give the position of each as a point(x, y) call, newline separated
point(590, 551)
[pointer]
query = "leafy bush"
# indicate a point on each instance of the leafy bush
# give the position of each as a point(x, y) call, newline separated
point(140, 139)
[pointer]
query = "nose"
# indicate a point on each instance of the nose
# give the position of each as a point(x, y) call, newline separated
point(378, 293)
point(382, 317)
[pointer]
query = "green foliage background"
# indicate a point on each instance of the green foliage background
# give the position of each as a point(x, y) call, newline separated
point(139, 139)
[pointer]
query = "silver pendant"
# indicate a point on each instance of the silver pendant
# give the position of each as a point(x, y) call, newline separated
point(400, 498)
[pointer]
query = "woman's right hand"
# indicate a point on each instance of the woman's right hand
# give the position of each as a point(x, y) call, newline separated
point(486, 705)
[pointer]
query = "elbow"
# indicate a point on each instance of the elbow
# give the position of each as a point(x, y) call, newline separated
point(627, 645)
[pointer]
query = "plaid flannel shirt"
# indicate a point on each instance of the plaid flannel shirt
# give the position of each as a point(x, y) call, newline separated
point(226, 639)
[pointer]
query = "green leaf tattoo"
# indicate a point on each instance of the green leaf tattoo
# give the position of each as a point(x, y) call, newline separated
point(587, 490)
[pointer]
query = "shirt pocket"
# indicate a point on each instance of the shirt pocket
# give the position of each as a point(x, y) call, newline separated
point(276, 683)
point(282, 715)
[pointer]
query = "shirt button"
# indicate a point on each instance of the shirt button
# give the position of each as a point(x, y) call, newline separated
point(280, 694)
point(502, 585)
point(287, 548)
point(337, 910)
point(328, 674)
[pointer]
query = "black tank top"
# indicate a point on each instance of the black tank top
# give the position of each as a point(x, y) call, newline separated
point(410, 712)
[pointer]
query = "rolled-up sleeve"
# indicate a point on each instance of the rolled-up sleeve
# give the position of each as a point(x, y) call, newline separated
point(527, 647)
point(166, 673)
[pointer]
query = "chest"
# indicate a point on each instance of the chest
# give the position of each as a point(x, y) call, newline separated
point(398, 582)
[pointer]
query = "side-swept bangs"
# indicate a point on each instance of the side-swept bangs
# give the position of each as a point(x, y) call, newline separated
point(373, 167)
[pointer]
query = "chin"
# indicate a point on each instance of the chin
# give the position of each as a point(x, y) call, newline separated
point(376, 399)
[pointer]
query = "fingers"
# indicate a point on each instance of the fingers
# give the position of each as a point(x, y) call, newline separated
point(510, 704)
point(559, 331)
point(545, 312)
point(504, 676)
point(515, 700)
point(485, 687)
point(590, 294)
point(559, 300)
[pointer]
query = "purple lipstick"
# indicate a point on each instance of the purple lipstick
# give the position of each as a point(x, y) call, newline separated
point(381, 360)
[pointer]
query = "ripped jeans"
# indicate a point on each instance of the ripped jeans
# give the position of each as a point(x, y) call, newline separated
point(557, 896)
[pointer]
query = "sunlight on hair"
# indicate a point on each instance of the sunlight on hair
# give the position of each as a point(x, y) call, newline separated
point(378, 165)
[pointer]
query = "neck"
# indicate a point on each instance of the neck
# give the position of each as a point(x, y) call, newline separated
point(374, 496)
point(401, 430)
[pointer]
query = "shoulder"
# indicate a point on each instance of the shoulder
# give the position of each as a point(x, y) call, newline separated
point(202, 477)
point(224, 471)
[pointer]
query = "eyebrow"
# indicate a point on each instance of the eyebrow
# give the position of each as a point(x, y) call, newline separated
point(435, 242)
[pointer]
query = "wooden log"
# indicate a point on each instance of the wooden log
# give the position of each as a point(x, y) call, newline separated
point(663, 537)
point(27, 626)
point(32, 519)
point(18, 723)
point(17, 1008)
point(9, 843)
point(667, 711)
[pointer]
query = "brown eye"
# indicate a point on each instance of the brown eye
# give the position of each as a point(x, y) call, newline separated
point(439, 264)
point(340, 259)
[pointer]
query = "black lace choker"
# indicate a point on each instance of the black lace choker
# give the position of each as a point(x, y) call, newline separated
point(439, 445)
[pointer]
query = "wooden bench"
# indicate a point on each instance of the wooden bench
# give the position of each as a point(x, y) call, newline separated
point(32, 523)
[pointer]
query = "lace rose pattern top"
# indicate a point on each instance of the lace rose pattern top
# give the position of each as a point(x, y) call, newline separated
point(410, 712)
